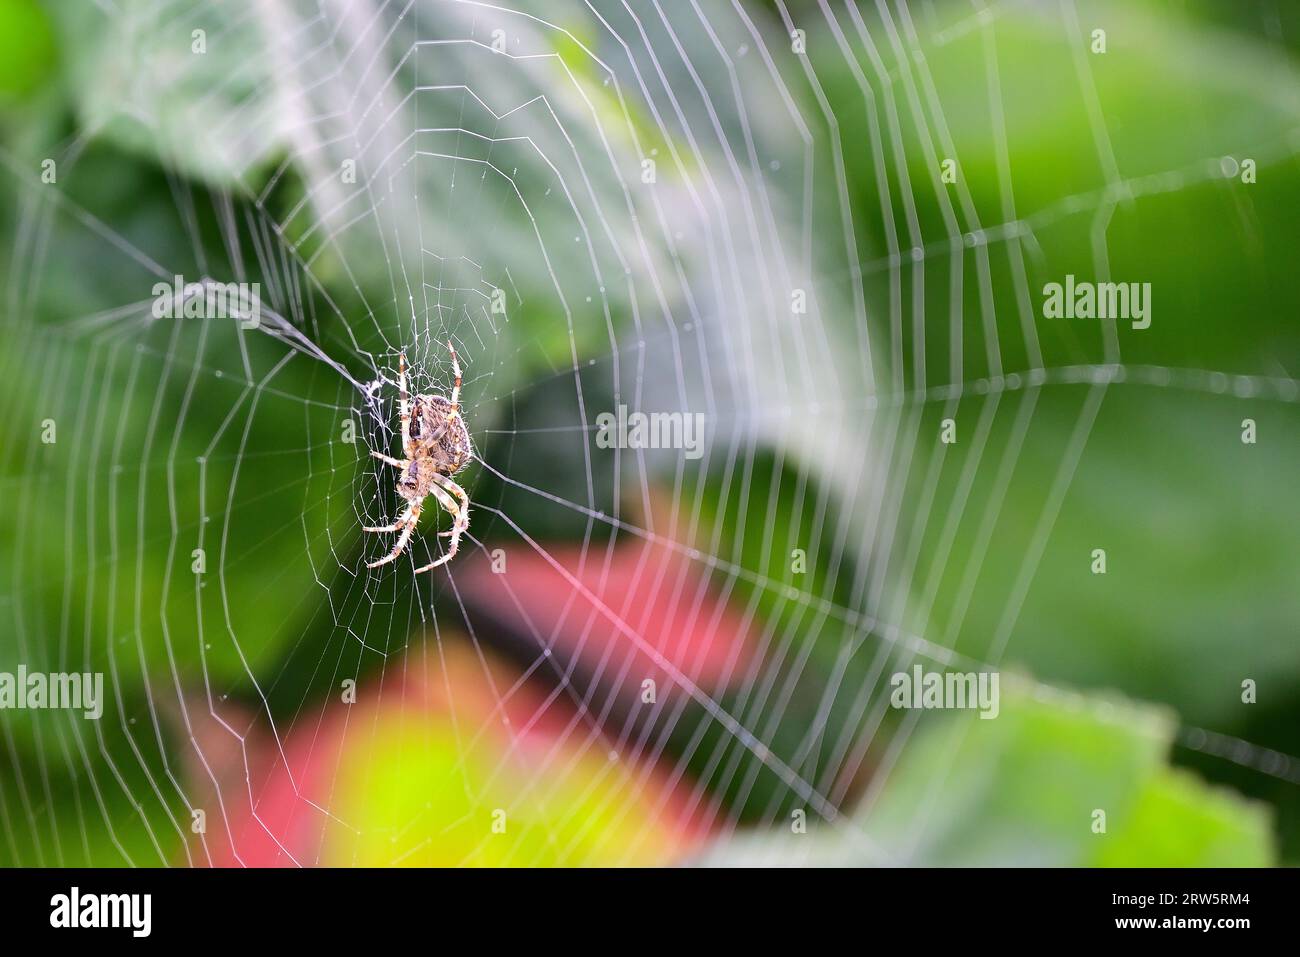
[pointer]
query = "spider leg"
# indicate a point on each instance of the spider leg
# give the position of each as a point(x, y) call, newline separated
point(414, 512)
point(461, 523)
point(455, 392)
point(396, 463)
point(452, 508)
point(401, 521)
point(450, 486)
point(403, 404)
point(451, 553)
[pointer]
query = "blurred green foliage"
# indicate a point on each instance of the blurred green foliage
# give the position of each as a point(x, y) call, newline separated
point(26, 49)
point(1198, 528)
point(1025, 790)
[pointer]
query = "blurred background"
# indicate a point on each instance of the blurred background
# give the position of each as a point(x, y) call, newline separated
point(825, 229)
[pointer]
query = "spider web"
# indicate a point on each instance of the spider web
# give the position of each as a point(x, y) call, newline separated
point(644, 205)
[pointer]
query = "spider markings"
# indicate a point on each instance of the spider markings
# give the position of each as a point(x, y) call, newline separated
point(435, 446)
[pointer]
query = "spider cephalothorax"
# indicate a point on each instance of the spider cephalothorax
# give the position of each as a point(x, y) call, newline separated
point(435, 446)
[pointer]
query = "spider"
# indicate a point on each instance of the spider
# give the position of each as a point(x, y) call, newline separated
point(435, 446)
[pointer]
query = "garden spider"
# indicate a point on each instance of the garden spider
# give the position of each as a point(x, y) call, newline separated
point(435, 446)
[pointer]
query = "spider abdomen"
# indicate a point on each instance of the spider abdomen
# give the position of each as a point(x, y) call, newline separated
point(444, 441)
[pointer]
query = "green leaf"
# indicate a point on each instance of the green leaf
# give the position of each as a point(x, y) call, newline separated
point(26, 48)
point(1025, 788)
